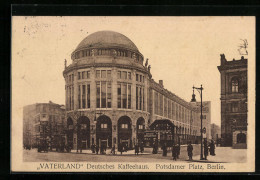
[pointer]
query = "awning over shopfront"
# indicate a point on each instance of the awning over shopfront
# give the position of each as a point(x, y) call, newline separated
point(162, 124)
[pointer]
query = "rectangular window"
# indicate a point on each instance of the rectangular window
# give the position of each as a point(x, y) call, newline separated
point(169, 109)
point(234, 107)
point(109, 73)
point(83, 74)
point(129, 96)
point(156, 103)
point(97, 73)
point(165, 107)
point(143, 79)
point(124, 75)
point(72, 77)
point(140, 78)
point(70, 98)
point(72, 95)
point(136, 77)
point(98, 94)
point(83, 96)
point(109, 94)
point(103, 126)
point(173, 110)
point(140, 98)
point(70, 127)
point(161, 104)
point(103, 74)
point(88, 96)
point(79, 75)
point(137, 97)
point(83, 126)
point(79, 97)
point(124, 95)
point(129, 76)
point(119, 95)
point(124, 126)
point(118, 74)
point(177, 112)
point(88, 74)
point(103, 94)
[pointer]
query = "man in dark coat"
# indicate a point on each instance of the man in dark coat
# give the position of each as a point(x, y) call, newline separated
point(136, 149)
point(142, 147)
point(212, 148)
point(101, 149)
point(97, 149)
point(178, 150)
point(189, 150)
point(154, 149)
point(164, 148)
point(174, 152)
point(113, 150)
point(206, 149)
point(120, 148)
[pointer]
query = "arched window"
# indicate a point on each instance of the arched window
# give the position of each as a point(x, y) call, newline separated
point(234, 84)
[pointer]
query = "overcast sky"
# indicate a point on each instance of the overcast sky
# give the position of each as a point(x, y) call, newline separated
point(182, 51)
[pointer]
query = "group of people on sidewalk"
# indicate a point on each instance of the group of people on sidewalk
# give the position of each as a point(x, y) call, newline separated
point(208, 148)
point(96, 149)
point(176, 150)
point(137, 147)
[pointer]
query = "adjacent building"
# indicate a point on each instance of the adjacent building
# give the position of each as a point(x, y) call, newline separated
point(112, 99)
point(215, 132)
point(233, 101)
point(43, 121)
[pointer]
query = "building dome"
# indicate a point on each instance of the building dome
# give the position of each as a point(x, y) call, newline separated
point(105, 39)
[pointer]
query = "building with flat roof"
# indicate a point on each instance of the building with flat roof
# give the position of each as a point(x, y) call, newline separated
point(43, 121)
point(233, 101)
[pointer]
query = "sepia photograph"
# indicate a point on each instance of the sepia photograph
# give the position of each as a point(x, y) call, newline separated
point(133, 94)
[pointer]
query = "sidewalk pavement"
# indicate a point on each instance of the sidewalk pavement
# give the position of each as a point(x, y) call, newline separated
point(108, 152)
point(225, 155)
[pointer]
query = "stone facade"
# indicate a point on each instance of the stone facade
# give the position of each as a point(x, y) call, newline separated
point(33, 115)
point(233, 100)
point(215, 132)
point(110, 95)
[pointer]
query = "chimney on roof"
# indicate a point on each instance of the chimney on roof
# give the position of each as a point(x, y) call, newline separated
point(161, 82)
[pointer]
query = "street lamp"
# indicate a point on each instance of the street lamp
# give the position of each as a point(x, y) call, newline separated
point(200, 92)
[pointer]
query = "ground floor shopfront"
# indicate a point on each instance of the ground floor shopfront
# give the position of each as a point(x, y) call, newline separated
point(126, 128)
point(105, 129)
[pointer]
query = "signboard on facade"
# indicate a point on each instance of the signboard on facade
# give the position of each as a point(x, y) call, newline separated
point(150, 134)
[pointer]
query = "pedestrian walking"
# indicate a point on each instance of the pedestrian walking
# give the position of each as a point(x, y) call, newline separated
point(206, 149)
point(113, 150)
point(164, 148)
point(174, 152)
point(189, 150)
point(120, 148)
point(212, 148)
point(97, 149)
point(178, 147)
point(154, 149)
point(136, 149)
point(93, 148)
point(101, 149)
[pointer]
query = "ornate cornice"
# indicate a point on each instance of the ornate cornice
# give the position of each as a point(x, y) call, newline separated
point(112, 65)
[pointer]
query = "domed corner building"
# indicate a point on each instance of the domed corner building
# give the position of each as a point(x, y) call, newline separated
point(111, 98)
